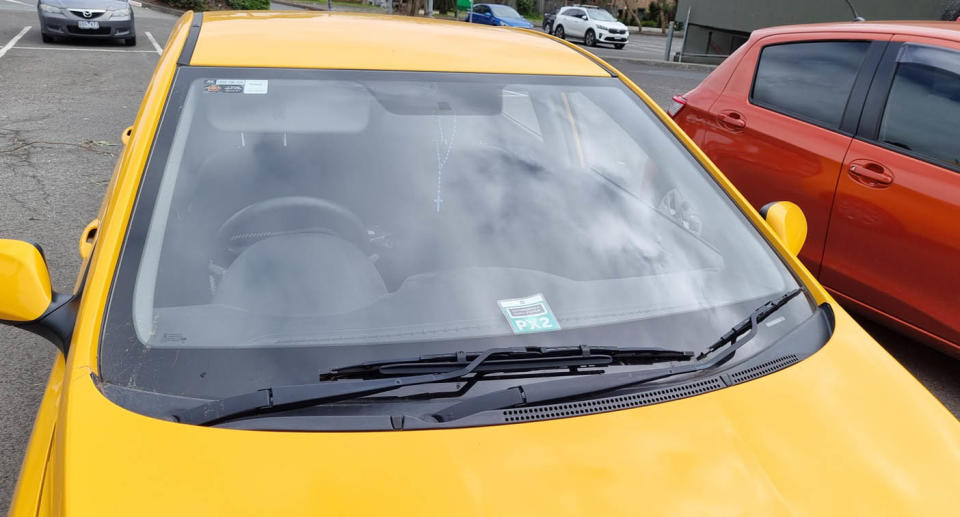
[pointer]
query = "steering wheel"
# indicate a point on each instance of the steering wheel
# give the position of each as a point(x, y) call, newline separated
point(283, 216)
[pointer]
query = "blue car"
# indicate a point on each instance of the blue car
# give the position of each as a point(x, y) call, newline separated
point(497, 14)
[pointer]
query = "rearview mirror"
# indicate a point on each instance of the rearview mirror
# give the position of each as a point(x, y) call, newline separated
point(25, 292)
point(788, 222)
point(26, 298)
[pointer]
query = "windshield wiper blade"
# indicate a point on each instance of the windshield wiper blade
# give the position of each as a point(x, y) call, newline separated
point(552, 391)
point(749, 324)
point(517, 359)
point(288, 397)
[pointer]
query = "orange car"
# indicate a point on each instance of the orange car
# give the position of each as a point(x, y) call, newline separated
point(859, 124)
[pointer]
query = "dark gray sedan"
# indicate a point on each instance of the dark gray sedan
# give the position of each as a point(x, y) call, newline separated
point(105, 19)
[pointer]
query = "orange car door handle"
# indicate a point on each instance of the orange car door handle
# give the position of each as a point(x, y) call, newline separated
point(733, 119)
point(872, 172)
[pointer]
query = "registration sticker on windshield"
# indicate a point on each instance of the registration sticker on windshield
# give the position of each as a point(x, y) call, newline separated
point(530, 314)
point(246, 86)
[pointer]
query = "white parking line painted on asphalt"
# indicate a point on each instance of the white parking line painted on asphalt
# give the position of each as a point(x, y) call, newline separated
point(13, 41)
point(86, 50)
point(19, 2)
point(154, 42)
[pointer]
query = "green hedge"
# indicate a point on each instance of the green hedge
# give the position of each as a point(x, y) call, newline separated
point(188, 5)
point(526, 7)
point(249, 5)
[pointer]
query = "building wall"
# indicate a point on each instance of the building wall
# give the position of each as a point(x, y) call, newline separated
point(717, 27)
point(747, 15)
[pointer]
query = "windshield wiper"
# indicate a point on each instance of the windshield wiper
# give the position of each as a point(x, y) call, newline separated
point(519, 359)
point(445, 367)
point(553, 391)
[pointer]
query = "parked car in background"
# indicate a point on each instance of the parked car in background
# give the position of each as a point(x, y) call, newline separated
point(497, 14)
point(102, 19)
point(859, 124)
point(548, 19)
point(591, 24)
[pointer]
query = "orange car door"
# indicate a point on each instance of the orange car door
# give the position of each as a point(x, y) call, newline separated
point(784, 121)
point(894, 238)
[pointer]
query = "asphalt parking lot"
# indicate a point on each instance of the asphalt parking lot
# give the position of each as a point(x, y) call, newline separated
point(63, 107)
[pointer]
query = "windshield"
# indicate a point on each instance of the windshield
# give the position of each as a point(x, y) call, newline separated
point(600, 15)
point(293, 221)
point(504, 11)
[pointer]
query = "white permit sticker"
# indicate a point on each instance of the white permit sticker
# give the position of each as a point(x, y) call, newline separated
point(255, 86)
point(530, 314)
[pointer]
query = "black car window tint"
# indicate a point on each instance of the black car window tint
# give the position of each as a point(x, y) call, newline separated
point(923, 107)
point(810, 80)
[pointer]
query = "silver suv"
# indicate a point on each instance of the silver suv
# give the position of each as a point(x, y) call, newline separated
point(593, 25)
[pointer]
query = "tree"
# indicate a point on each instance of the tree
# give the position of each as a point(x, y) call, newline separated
point(663, 16)
point(415, 6)
point(631, 7)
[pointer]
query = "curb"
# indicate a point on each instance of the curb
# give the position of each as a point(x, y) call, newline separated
point(160, 8)
point(698, 67)
point(654, 31)
point(303, 5)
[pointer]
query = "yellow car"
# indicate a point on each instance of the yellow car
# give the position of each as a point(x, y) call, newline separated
point(355, 265)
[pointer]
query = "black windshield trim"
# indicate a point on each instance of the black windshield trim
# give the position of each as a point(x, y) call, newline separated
point(186, 53)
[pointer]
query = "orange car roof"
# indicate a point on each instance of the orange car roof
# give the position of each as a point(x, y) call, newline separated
point(933, 29)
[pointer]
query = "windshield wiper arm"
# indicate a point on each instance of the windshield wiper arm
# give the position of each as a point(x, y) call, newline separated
point(517, 359)
point(748, 324)
point(287, 397)
point(551, 391)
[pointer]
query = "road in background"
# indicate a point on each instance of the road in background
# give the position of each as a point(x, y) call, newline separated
point(660, 82)
point(281, 7)
point(641, 46)
point(62, 109)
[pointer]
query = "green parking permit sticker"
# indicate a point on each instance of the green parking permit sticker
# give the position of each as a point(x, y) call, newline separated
point(531, 314)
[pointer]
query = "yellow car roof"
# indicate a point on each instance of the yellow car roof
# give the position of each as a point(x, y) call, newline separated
point(376, 42)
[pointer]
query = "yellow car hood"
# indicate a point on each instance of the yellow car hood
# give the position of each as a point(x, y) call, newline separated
point(844, 432)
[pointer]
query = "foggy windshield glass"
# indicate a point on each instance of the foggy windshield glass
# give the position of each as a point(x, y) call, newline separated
point(375, 213)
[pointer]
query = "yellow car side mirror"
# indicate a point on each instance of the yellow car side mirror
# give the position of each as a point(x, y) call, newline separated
point(25, 292)
point(788, 222)
point(27, 299)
